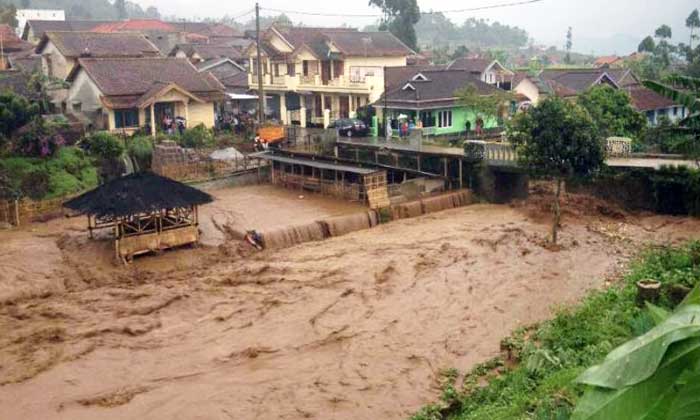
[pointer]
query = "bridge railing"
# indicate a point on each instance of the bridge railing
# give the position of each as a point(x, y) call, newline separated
point(618, 147)
point(503, 153)
point(491, 152)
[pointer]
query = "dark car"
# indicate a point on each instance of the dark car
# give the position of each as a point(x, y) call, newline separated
point(351, 127)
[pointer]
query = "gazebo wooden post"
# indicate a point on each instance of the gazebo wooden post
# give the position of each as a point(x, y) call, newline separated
point(153, 120)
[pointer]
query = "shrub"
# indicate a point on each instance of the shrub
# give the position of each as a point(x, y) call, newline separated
point(196, 137)
point(108, 150)
point(140, 149)
point(15, 112)
point(68, 172)
point(40, 138)
point(104, 145)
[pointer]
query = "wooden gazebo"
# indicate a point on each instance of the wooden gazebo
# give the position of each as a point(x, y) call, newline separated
point(146, 212)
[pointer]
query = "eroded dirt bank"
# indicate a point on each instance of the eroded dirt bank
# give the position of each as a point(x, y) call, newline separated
point(356, 327)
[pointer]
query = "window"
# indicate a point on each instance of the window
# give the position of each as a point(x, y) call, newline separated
point(358, 74)
point(292, 69)
point(675, 111)
point(277, 69)
point(305, 67)
point(426, 117)
point(444, 119)
point(126, 118)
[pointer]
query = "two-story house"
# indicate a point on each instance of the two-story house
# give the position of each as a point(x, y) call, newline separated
point(317, 75)
point(487, 70)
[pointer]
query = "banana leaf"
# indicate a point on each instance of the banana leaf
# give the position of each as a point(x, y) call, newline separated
point(638, 359)
point(687, 99)
point(651, 399)
point(658, 314)
point(683, 82)
point(686, 406)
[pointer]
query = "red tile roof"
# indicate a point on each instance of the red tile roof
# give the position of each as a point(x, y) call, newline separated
point(10, 40)
point(607, 60)
point(135, 25)
point(644, 99)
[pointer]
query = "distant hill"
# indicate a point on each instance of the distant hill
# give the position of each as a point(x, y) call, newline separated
point(619, 44)
point(88, 9)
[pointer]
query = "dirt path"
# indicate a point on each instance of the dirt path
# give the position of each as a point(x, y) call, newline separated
point(356, 327)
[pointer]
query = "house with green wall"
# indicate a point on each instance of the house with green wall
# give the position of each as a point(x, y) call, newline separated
point(428, 99)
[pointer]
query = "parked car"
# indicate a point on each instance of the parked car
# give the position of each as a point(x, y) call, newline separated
point(351, 127)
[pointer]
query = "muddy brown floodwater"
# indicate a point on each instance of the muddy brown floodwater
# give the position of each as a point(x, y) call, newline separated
point(354, 327)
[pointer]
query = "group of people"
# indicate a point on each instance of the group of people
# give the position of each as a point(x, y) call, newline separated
point(238, 123)
point(404, 127)
point(170, 125)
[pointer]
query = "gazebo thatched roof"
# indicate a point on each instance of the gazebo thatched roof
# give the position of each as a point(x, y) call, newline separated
point(141, 192)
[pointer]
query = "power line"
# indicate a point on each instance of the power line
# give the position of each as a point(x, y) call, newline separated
point(376, 15)
point(292, 12)
point(243, 14)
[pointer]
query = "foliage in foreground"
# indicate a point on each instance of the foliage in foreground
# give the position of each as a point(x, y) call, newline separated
point(654, 376)
point(536, 378)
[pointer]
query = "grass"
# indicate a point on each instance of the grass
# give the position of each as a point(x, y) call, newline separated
point(68, 172)
point(533, 379)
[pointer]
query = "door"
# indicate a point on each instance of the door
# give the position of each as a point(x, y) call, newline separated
point(338, 68)
point(344, 105)
point(325, 71)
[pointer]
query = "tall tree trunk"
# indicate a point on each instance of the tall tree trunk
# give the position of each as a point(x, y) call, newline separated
point(557, 212)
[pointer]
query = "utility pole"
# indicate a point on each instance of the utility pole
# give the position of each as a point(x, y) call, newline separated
point(384, 111)
point(261, 91)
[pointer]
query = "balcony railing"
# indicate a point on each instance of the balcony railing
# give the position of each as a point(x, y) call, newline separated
point(299, 81)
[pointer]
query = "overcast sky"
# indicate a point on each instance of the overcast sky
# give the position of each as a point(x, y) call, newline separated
point(601, 25)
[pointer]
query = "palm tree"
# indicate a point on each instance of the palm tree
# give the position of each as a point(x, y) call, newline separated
point(685, 91)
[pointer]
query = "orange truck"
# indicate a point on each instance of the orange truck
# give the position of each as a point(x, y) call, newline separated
point(272, 134)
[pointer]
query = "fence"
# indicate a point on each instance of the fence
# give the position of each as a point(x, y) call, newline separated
point(18, 212)
point(205, 169)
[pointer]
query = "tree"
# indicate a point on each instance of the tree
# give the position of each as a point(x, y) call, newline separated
point(557, 139)
point(612, 111)
point(120, 6)
point(15, 112)
point(494, 105)
point(569, 44)
point(400, 17)
point(647, 45)
point(655, 376)
point(693, 23)
point(664, 32)
point(152, 13)
point(8, 15)
point(685, 91)
point(459, 52)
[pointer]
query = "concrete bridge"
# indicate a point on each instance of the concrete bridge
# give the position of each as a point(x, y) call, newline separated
point(489, 167)
point(503, 154)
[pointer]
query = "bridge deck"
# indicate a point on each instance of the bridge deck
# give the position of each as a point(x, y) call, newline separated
point(402, 146)
point(503, 161)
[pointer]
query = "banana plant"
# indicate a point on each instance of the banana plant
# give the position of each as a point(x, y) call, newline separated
point(681, 90)
point(653, 377)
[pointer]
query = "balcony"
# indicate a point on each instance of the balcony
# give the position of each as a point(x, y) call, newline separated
point(298, 82)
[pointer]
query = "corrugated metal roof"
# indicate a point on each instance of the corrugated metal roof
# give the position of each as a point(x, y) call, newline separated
point(315, 163)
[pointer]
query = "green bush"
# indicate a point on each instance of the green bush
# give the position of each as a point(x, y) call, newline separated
point(140, 149)
point(104, 145)
point(196, 137)
point(69, 171)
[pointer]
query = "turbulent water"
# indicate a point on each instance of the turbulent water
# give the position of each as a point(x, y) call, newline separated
point(357, 326)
